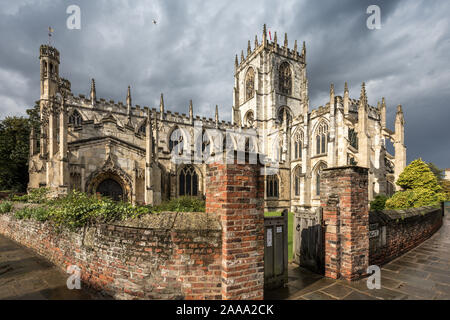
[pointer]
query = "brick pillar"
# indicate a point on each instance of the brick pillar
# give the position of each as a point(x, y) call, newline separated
point(344, 199)
point(235, 192)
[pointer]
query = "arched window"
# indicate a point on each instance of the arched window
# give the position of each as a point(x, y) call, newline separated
point(322, 138)
point(281, 113)
point(318, 177)
point(143, 128)
point(188, 182)
point(272, 190)
point(176, 141)
point(297, 176)
point(249, 118)
point(203, 145)
point(75, 118)
point(298, 143)
point(353, 138)
point(249, 84)
point(285, 79)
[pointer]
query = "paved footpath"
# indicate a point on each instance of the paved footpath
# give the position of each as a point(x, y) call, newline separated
point(421, 274)
point(26, 276)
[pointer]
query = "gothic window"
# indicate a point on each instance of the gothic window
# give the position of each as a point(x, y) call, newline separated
point(297, 176)
point(203, 145)
point(318, 177)
point(322, 137)
point(176, 141)
point(143, 129)
point(249, 118)
point(353, 138)
point(281, 113)
point(298, 142)
point(188, 182)
point(285, 79)
point(75, 119)
point(249, 84)
point(272, 190)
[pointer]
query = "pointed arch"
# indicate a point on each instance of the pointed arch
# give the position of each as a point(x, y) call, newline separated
point(296, 177)
point(75, 118)
point(285, 78)
point(317, 170)
point(321, 137)
point(281, 111)
point(273, 186)
point(249, 83)
point(189, 180)
point(298, 144)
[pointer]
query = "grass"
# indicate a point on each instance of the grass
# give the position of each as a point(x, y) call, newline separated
point(290, 235)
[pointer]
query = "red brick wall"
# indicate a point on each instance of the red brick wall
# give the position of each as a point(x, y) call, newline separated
point(403, 231)
point(344, 199)
point(128, 262)
point(235, 193)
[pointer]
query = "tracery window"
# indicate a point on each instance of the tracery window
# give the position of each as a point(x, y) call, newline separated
point(322, 137)
point(281, 113)
point(188, 182)
point(272, 190)
point(176, 141)
point(203, 145)
point(143, 129)
point(297, 176)
point(353, 138)
point(298, 142)
point(285, 79)
point(75, 118)
point(249, 118)
point(318, 177)
point(250, 84)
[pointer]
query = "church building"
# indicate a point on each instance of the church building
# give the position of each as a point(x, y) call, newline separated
point(147, 155)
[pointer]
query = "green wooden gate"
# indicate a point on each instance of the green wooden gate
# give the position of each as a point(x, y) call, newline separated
point(276, 251)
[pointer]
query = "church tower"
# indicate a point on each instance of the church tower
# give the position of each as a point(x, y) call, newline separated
point(269, 82)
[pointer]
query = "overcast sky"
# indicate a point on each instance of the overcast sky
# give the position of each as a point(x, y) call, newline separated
point(189, 54)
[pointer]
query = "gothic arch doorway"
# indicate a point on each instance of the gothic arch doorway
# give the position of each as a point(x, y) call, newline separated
point(112, 189)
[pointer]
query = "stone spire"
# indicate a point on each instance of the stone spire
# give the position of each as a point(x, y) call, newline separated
point(236, 62)
point(346, 99)
point(129, 103)
point(264, 39)
point(285, 40)
point(217, 116)
point(161, 107)
point(242, 56)
point(304, 50)
point(93, 92)
point(249, 48)
point(275, 38)
point(256, 41)
point(295, 47)
point(191, 111)
point(383, 112)
point(363, 96)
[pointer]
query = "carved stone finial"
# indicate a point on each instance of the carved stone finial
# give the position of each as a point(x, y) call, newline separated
point(93, 92)
point(249, 48)
point(285, 40)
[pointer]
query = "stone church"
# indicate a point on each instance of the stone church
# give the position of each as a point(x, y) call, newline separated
point(133, 153)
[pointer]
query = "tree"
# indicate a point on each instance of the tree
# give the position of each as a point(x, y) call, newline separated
point(420, 188)
point(14, 151)
point(438, 172)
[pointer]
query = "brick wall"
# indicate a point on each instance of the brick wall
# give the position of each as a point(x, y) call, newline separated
point(181, 259)
point(395, 232)
point(235, 193)
point(344, 200)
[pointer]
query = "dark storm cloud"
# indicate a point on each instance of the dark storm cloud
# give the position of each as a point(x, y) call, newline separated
point(189, 54)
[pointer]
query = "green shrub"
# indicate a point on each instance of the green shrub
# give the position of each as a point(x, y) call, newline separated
point(182, 204)
point(17, 198)
point(414, 198)
point(420, 188)
point(379, 203)
point(38, 195)
point(5, 207)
